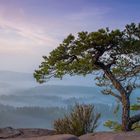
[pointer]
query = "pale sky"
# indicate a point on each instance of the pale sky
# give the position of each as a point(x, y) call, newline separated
point(30, 29)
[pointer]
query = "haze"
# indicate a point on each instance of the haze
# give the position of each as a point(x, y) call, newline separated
point(32, 28)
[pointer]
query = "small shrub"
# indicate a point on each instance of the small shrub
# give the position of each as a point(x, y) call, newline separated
point(116, 126)
point(113, 125)
point(81, 120)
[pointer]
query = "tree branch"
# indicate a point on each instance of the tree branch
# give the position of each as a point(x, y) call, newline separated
point(72, 58)
point(110, 92)
point(113, 62)
point(129, 89)
point(132, 72)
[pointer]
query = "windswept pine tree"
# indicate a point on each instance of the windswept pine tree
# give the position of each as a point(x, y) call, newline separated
point(113, 55)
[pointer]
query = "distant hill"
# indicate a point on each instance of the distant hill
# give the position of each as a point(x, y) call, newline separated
point(21, 98)
point(55, 95)
point(15, 80)
point(26, 79)
point(15, 76)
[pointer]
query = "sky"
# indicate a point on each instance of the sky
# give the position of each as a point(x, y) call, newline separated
point(30, 29)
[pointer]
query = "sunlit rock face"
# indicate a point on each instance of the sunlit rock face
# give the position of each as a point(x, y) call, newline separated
point(111, 136)
point(10, 133)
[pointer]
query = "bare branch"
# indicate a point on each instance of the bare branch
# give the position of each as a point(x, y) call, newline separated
point(132, 72)
point(113, 62)
point(110, 92)
point(129, 89)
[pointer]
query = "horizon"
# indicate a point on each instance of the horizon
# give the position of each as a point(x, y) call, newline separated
point(67, 80)
point(30, 29)
point(98, 70)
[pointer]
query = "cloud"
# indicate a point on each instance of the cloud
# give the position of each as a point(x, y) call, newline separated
point(26, 32)
point(16, 22)
point(22, 42)
point(54, 29)
point(32, 28)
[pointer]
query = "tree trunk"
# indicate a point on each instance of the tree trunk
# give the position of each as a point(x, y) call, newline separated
point(125, 113)
point(125, 100)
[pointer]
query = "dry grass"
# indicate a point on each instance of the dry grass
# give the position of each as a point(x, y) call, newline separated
point(81, 120)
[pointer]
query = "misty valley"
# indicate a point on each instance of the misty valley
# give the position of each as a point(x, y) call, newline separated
point(25, 104)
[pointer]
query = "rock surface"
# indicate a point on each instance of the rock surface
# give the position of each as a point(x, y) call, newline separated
point(10, 132)
point(54, 137)
point(45, 134)
point(111, 136)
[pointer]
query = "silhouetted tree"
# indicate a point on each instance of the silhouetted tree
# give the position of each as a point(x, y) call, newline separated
point(113, 55)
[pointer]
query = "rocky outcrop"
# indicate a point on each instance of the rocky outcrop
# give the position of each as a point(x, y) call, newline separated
point(111, 136)
point(32, 132)
point(10, 132)
point(54, 137)
point(45, 134)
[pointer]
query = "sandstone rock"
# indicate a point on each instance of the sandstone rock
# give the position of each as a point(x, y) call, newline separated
point(54, 137)
point(9, 132)
point(111, 136)
point(34, 132)
point(45, 134)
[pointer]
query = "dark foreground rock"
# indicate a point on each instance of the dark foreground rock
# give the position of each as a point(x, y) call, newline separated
point(10, 132)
